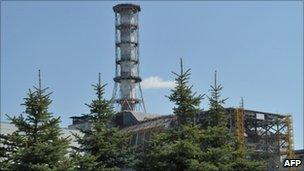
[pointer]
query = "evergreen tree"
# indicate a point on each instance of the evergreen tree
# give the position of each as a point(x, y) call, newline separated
point(36, 144)
point(187, 103)
point(221, 150)
point(104, 146)
point(175, 149)
point(216, 110)
point(187, 146)
point(178, 148)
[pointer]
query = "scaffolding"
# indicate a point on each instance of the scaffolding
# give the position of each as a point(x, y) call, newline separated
point(289, 137)
point(239, 125)
point(268, 136)
point(289, 140)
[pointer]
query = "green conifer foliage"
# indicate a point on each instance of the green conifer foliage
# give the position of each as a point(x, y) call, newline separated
point(217, 112)
point(36, 144)
point(186, 103)
point(104, 146)
point(190, 146)
point(178, 148)
point(220, 149)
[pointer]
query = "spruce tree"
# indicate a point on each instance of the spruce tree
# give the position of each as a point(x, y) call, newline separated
point(221, 150)
point(178, 148)
point(186, 103)
point(104, 146)
point(188, 146)
point(36, 144)
point(216, 110)
point(175, 149)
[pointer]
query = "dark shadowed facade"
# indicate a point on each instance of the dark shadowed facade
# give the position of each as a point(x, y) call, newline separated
point(268, 135)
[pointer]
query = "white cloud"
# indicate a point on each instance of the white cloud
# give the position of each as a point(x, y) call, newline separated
point(155, 82)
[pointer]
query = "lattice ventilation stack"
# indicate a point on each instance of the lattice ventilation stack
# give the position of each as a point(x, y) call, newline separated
point(127, 93)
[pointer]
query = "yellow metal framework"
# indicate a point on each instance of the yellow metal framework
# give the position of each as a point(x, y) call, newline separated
point(239, 125)
point(289, 139)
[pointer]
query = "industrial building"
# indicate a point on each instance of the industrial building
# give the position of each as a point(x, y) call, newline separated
point(269, 135)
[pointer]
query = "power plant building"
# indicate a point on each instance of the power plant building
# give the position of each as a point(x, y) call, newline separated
point(269, 135)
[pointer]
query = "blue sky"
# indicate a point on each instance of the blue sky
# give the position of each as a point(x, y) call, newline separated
point(256, 47)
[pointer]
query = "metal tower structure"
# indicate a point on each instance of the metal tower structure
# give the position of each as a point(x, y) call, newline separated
point(127, 93)
point(239, 125)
